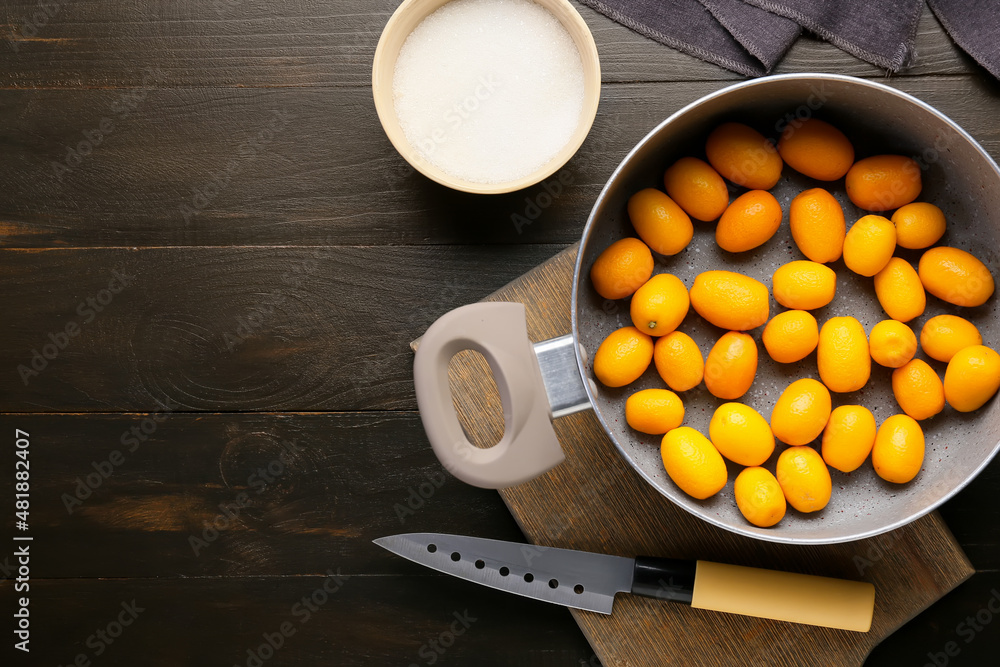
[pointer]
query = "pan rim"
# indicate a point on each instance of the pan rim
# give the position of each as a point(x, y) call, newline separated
point(574, 307)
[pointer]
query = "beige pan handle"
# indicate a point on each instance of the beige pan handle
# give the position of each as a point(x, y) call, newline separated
point(529, 446)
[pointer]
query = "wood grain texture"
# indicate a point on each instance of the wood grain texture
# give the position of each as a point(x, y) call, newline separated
point(264, 111)
point(369, 621)
point(313, 43)
point(209, 166)
point(322, 328)
point(947, 621)
point(595, 501)
point(174, 494)
point(321, 512)
point(972, 516)
point(345, 479)
point(373, 621)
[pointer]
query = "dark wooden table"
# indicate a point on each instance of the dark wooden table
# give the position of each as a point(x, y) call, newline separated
point(212, 263)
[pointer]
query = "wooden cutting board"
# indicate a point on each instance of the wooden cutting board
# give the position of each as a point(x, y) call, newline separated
point(595, 501)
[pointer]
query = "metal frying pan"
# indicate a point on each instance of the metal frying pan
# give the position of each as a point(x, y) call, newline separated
point(544, 381)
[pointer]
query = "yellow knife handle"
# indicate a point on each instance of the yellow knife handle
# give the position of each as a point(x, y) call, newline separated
point(784, 596)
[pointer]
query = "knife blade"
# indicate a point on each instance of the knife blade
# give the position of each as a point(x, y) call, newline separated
point(590, 581)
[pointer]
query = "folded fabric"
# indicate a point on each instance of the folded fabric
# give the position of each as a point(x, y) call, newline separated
point(975, 27)
point(879, 31)
point(752, 48)
point(765, 35)
point(751, 36)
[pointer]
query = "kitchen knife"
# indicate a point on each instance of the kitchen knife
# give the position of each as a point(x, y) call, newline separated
point(590, 581)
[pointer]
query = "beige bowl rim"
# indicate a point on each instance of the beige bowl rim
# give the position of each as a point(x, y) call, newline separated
point(402, 22)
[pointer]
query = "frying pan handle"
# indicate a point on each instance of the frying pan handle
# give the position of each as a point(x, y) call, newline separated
point(499, 332)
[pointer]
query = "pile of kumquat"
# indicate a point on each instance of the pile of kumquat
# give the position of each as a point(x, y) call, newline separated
point(803, 418)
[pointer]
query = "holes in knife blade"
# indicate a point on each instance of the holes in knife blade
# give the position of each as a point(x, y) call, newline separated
point(529, 577)
point(480, 564)
point(553, 583)
point(455, 556)
point(504, 571)
point(432, 548)
point(578, 589)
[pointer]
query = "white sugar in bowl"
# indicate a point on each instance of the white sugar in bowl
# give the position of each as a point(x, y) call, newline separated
point(486, 96)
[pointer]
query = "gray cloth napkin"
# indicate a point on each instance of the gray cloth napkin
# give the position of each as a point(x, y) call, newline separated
point(751, 36)
point(879, 31)
point(975, 27)
point(755, 43)
point(765, 35)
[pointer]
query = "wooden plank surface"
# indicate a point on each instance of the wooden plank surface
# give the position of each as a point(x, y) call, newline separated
point(321, 512)
point(188, 86)
point(313, 43)
point(174, 494)
point(322, 328)
point(365, 621)
point(595, 501)
point(208, 166)
point(358, 476)
point(374, 621)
